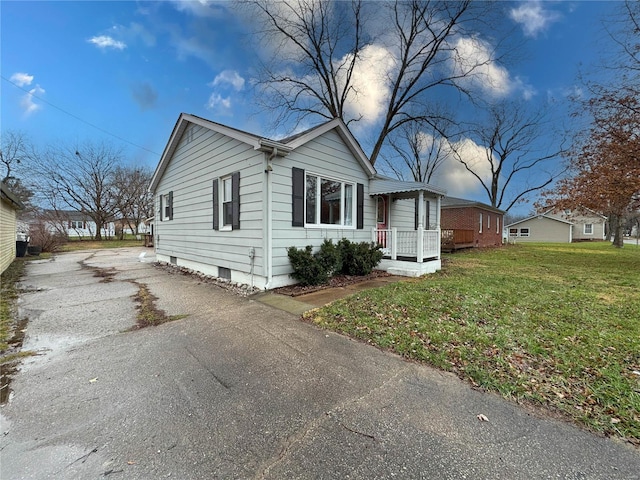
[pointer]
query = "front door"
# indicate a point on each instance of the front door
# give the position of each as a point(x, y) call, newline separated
point(382, 221)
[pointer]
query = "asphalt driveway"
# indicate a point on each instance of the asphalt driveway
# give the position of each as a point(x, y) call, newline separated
point(239, 389)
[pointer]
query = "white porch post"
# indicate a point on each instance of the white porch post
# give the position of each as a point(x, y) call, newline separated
point(420, 233)
point(438, 203)
point(394, 243)
point(373, 236)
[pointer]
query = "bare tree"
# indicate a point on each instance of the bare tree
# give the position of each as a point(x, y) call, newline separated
point(82, 178)
point(514, 162)
point(321, 48)
point(135, 203)
point(417, 150)
point(624, 31)
point(16, 153)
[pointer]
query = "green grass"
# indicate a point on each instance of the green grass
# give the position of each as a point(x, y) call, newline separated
point(556, 325)
point(75, 245)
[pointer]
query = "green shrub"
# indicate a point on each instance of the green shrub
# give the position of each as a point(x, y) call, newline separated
point(307, 269)
point(359, 258)
point(346, 257)
point(329, 258)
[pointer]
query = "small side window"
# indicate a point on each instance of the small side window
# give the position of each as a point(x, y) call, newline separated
point(166, 206)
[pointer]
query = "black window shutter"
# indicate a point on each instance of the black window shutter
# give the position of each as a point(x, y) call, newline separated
point(171, 205)
point(216, 205)
point(297, 197)
point(161, 216)
point(360, 206)
point(235, 200)
point(415, 216)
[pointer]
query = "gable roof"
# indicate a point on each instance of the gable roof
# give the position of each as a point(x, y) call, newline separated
point(279, 147)
point(581, 212)
point(544, 215)
point(453, 202)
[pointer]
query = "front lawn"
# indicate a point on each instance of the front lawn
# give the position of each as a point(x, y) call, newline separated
point(75, 245)
point(557, 325)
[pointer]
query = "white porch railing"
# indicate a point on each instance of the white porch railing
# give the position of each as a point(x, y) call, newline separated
point(418, 243)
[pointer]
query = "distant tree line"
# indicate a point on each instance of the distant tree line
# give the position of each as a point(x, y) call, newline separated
point(91, 178)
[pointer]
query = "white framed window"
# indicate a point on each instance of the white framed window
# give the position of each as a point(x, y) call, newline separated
point(166, 206)
point(76, 224)
point(524, 232)
point(488, 222)
point(497, 224)
point(226, 213)
point(513, 232)
point(480, 223)
point(588, 228)
point(328, 201)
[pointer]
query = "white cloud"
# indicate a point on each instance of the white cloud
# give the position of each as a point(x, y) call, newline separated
point(454, 177)
point(27, 101)
point(533, 17)
point(473, 62)
point(370, 86)
point(132, 33)
point(105, 41)
point(217, 101)
point(200, 8)
point(21, 79)
point(230, 77)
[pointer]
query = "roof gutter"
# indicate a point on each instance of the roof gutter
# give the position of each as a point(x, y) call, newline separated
point(271, 146)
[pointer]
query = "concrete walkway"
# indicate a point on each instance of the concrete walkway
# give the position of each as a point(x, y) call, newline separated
point(239, 389)
point(302, 303)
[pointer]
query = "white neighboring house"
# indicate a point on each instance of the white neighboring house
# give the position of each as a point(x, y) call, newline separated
point(71, 223)
point(80, 225)
point(229, 203)
point(563, 227)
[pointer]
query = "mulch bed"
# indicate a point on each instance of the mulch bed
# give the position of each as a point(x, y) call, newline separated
point(337, 281)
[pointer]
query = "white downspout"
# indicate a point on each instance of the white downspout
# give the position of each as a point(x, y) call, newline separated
point(269, 226)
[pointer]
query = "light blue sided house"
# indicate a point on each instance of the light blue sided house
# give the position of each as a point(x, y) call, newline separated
point(229, 203)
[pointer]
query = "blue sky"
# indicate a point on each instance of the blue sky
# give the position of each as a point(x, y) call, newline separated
point(123, 71)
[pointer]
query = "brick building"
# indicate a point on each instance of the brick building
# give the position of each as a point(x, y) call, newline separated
point(468, 223)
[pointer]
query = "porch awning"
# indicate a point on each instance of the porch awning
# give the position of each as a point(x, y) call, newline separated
point(401, 189)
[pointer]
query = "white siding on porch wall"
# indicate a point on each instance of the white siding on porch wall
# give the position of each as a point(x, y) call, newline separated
point(201, 156)
point(326, 155)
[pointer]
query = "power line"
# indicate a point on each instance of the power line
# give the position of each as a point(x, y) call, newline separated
point(78, 118)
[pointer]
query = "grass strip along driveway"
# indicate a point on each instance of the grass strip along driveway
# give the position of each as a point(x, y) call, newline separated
point(553, 325)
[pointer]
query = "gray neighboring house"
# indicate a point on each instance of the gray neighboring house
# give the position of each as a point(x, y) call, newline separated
point(229, 203)
point(559, 227)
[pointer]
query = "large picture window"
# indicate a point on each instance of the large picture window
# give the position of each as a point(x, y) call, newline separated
point(328, 202)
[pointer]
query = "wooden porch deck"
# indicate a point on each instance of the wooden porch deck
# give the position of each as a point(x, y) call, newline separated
point(456, 239)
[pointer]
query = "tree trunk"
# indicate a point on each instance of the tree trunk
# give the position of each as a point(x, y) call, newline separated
point(618, 231)
point(609, 228)
point(98, 231)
